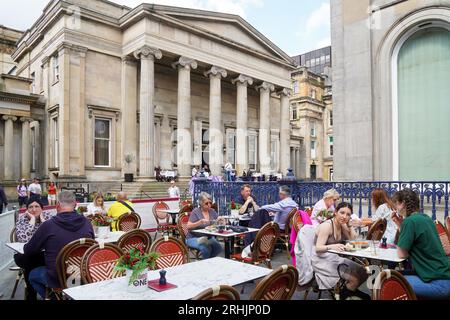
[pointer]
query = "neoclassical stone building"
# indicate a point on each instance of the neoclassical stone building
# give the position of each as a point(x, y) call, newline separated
point(391, 75)
point(125, 90)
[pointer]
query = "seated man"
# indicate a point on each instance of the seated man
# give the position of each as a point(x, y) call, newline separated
point(278, 211)
point(247, 201)
point(120, 207)
point(52, 236)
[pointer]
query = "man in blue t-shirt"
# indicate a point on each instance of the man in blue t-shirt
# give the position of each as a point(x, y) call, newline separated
point(247, 201)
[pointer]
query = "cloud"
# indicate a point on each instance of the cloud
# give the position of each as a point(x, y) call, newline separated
point(319, 18)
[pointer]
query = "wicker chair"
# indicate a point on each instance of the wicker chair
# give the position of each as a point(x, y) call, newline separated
point(444, 236)
point(186, 209)
point(447, 223)
point(172, 252)
point(284, 234)
point(68, 262)
point(278, 285)
point(377, 230)
point(129, 221)
point(135, 239)
point(18, 270)
point(262, 246)
point(162, 218)
point(182, 223)
point(391, 285)
point(218, 293)
point(296, 222)
point(99, 261)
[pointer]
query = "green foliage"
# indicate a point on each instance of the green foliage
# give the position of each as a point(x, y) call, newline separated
point(137, 261)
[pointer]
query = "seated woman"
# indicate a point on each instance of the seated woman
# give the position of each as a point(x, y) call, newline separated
point(201, 218)
point(384, 207)
point(330, 235)
point(420, 242)
point(328, 202)
point(97, 206)
point(26, 226)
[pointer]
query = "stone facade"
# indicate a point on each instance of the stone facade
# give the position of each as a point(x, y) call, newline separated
point(311, 119)
point(158, 85)
point(366, 34)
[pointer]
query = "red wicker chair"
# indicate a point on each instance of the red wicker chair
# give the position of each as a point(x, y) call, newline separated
point(262, 246)
point(99, 261)
point(447, 223)
point(182, 223)
point(296, 222)
point(162, 218)
point(135, 239)
point(186, 209)
point(278, 285)
point(219, 293)
point(377, 230)
point(172, 253)
point(129, 221)
point(391, 285)
point(444, 236)
point(309, 211)
point(68, 262)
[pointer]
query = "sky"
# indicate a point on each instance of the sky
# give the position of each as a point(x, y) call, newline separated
point(296, 26)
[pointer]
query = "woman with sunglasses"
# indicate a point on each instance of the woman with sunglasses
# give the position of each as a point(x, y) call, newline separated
point(201, 218)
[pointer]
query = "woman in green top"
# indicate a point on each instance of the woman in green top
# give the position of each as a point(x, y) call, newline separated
point(419, 241)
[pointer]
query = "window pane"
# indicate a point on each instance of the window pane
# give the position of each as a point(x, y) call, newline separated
point(101, 152)
point(102, 129)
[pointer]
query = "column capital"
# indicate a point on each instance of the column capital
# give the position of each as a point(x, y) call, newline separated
point(243, 79)
point(216, 72)
point(266, 86)
point(184, 62)
point(128, 60)
point(147, 52)
point(285, 92)
point(26, 119)
point(8, 117)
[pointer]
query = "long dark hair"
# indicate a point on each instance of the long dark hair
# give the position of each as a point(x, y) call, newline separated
point(379, 197)
point(409, 198)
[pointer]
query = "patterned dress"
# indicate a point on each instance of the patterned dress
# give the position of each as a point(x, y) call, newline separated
point(25, 230)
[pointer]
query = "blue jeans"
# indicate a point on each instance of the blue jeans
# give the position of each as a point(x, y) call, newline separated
point(38, 280)
point(228, 175)
point(434, 290)
point(209, 250)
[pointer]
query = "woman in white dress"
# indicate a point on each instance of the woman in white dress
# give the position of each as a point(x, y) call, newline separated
point(97, 206)
point(384, 207)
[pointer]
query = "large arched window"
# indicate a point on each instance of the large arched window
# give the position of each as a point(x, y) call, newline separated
point(423, 90)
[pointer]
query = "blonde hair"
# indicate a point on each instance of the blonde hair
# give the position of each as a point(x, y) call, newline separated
point(332, 193)
point(99, 195)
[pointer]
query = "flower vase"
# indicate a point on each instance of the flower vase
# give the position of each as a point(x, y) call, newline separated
point(139, 284)
point(103, 232)
point(235, 213)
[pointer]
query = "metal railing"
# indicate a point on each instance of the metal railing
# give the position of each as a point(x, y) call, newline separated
point(434, 196)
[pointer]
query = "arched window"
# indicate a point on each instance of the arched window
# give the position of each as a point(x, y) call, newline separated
point(423, 91)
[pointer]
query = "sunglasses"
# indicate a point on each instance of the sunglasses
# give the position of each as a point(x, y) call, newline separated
point(208, 203)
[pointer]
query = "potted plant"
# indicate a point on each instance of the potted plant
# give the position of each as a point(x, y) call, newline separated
point(234, 208)
point(102, 224)
point(324, 215)
point(129, 158)
point(136, 263)
point(82, 210)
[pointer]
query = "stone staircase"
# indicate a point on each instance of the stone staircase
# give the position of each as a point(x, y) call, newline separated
point(144, 190)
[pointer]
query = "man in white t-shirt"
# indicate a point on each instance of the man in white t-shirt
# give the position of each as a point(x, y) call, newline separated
point(174, 192)
point(34, 189)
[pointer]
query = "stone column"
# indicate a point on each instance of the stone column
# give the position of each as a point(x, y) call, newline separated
point(129, 115)
point(242, 122)
point(264, 127)
point(26, 148)
point(147, 110)
point(184, 136)
point(285, 130)
point(8, 149)
point(166, 144)
point(215, 75)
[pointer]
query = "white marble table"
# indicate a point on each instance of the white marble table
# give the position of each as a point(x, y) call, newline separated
point(16, 246)
point(228, 237)
point(112, 237)
point(173, 212)
point(191, 279)
point(387, 255)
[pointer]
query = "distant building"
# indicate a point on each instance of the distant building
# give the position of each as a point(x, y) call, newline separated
point(391, 73)
point(312, 121)
point(8, 39)
point(316, 60)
